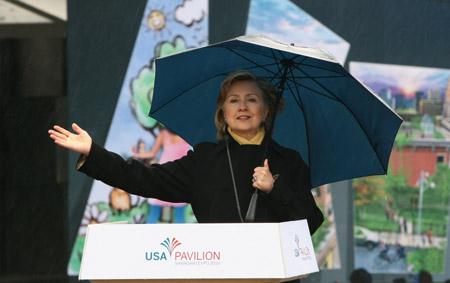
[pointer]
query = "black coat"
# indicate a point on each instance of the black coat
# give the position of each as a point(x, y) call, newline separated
point(203, 179)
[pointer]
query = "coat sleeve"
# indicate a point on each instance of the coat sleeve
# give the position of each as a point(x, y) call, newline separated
point(172, 181)
point(293, 197)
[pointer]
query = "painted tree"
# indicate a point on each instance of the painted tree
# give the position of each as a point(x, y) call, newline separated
point(141, 86)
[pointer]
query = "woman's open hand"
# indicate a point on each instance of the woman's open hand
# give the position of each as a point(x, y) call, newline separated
point(79, 142)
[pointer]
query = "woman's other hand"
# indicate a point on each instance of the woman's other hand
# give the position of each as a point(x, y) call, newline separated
point(143, 155)
point(80, 141)
point(262, 178)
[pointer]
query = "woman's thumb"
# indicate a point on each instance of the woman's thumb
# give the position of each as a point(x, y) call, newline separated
point(266, 163)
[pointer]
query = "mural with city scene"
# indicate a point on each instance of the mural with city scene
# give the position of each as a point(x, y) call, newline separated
point(401, 219)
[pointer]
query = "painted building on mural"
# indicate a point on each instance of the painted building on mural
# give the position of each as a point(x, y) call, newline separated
point(419, 156)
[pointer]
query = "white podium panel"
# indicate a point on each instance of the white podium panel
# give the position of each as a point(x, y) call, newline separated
point(198, 251)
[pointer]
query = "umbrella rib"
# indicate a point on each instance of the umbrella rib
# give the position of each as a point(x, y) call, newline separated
point(298, 83)
point(182, 92)
point(273, 55)
point(292, 79)
point(275, 75)
point(276, 60)
point(318, 83)
point(315, 91)
point(300, 105)
point(290, 68)
point(297, 93)
point(262, 66)
point(265, 65)
point(243, 50)
point(322, 68)
point(280, 69)
point(281, 54)
point(251, 61)
point(296, 98)
point(205, 80)
point(349, 110)
point(236, 47)
point(317, 77)
point(293, 57)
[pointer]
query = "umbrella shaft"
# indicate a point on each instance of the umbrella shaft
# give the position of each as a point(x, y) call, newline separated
point(250, 216)
point(279, 94)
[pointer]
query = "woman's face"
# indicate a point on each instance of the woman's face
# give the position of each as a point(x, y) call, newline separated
point(244, 108)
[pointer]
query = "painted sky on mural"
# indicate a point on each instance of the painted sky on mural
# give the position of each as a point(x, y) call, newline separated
point(405, 79)
point(284, 21)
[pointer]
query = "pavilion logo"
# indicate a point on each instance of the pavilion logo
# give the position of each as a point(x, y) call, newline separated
point(301, 251)
point(169, 245)
point(173, 253)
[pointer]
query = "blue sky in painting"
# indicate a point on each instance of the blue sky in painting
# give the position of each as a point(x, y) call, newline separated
point(286, 22)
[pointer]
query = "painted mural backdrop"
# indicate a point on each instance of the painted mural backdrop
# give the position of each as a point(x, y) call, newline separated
point(325, 238)
point(284, 21)
point(166, 27)
point(401, 219)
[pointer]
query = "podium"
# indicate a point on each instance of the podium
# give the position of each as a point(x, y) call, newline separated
point(235, 252)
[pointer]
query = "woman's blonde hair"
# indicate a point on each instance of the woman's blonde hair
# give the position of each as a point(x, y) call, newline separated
point(268, 94)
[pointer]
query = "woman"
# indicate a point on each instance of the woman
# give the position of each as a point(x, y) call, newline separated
point(204, 177)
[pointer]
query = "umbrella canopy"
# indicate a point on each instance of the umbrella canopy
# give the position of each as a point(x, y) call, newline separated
point(340, 128)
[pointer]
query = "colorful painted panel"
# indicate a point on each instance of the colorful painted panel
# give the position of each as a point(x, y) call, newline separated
point(284, 21)
point(401, 219)
point(325, 239)
point(166, 27)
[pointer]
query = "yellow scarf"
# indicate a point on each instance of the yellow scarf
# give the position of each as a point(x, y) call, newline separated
point(257, 139)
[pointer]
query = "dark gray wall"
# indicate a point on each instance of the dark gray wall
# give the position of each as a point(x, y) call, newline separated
point(33, 187)
point(406, 32)
point(100, 42)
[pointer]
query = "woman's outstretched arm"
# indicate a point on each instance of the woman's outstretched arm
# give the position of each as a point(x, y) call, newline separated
point(172, 181)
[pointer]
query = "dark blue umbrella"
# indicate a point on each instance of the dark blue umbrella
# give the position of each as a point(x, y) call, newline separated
point(340, 128)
